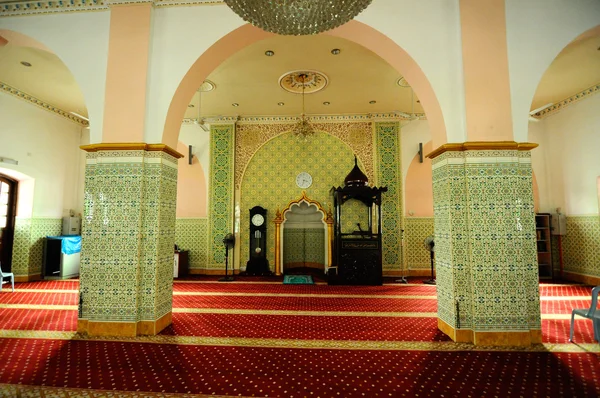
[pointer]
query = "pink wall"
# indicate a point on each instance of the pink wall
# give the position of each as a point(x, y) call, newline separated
point(191, 186)
point(128, 49)
point(485, 63)
point(419, 186)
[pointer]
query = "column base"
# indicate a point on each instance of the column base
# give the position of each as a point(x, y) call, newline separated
point(124, 329)
point(498, 339)
point(28, 278)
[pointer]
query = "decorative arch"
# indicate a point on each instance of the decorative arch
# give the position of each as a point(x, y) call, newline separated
point(354, 31)
point(280, 218)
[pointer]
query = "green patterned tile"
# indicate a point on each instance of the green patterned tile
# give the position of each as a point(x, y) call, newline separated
point(192, 234)
point(270, 180)
point(28, 246)
point(485, 241)
point(416, 230)
point(581, 245)
point(128, 234)
point(221, 190)
point(389, 174)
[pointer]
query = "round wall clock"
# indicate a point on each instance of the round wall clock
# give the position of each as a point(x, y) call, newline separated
point(258, 220)
point(304, 180)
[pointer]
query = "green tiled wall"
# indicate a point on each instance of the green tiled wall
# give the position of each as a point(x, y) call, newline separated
point(415, 232)
point(28, 243)
point(192, 234)
point(303, 245)
point(270, 178)
point(581, 245)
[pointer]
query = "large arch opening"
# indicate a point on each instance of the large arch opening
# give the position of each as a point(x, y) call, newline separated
point(353, 31)
point(564, 120)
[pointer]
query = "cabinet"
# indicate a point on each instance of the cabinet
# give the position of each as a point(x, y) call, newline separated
point(544, 245)
point(181, 264)
point(61, 257)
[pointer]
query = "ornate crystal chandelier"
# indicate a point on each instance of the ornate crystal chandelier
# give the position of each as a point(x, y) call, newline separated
point(297, 17)
point(303, 129)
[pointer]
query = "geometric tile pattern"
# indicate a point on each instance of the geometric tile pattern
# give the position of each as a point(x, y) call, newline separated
point(302, 245)
point(250, 137)
point(416, 230)
point(221, 189)
point(581, 245)
point(389, 174)
point(270, 179)
point(487, 278)
point(28, 245)
point(191, 234)
point(128, 232)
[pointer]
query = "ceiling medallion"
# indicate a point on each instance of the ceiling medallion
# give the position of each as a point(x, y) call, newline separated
point(207, 86)
point(303, 81)
point(297, 17)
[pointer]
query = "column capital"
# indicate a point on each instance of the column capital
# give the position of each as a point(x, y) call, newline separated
point(482, 146)
point(131, 146)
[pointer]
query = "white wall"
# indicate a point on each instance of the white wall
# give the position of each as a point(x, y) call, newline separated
point(80, 40)
point(567, 164)
point(537, 30)
point(47, 149)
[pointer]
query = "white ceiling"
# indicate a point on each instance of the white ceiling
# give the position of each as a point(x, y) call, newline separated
point(251, 79)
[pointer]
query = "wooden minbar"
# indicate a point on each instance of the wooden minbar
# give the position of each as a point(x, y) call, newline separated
point(357, 254)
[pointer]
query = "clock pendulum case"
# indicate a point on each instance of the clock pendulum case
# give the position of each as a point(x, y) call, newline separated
point(258, 263)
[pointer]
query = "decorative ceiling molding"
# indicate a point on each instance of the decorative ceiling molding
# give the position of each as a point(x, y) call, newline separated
point(44, 105)
point(57, 6)
point(588, 92)
point(367, 117)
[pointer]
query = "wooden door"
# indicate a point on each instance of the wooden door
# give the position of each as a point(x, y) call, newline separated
point(8, 203)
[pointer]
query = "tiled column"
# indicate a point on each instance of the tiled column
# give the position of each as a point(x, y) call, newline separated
point(487, 275)
point(389, 174)
point(221, 188)
point(128, 233)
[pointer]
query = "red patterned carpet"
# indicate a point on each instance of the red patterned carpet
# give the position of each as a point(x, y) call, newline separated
point(269, 339)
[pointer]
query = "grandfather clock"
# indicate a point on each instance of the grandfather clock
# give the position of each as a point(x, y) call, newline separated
point(258, 263)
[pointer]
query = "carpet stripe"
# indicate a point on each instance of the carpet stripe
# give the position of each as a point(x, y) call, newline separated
point(303, 344)
point(238, 311)
point(315, 295)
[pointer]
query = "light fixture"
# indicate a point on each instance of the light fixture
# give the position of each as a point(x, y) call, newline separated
point(281, 103)
point(372, 102)
point(235, 104)
point(25, 63)
point(297, 17)
point(336, 51)
point(8, 160)
point(326, 103)
point(302, 130)
point(269, 53)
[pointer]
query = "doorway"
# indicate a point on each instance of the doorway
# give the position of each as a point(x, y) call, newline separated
point(8, 203)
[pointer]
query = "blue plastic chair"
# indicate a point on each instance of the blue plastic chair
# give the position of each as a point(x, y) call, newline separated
point(7, 275)
point(590, 313)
